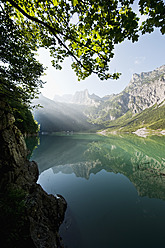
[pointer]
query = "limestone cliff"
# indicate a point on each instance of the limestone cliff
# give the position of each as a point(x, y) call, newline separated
point(146, 89)
point(80, 98)
point(143, 91)
point(38, 213)
point(85, 112)
point(84, 98)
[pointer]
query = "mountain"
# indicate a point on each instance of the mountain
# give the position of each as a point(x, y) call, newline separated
point(152, 118)
point(57, 116)
point(146, 91)
point(141, 104)
point(81, 98)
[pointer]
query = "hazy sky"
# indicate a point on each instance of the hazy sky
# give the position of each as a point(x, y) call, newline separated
point(145, 55)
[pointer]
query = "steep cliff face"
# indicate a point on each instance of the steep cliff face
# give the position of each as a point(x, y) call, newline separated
point(84, 98)
point(110, 109)
point(143, 91)
point(85, 112)
point(41, 214)
point(80, 98)
point(146, 89)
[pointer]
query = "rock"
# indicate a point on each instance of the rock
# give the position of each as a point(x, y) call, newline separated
point(146, 89)
point(46, 213)
point(143, 91)
point(43, 213)
point(80, 98)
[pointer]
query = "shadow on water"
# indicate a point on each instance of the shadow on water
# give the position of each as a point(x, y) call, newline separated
point(107, 182)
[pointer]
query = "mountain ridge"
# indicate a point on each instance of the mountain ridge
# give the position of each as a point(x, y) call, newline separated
point(80, 97)
point(143, 91)
point(57, 116)
point(83, 112)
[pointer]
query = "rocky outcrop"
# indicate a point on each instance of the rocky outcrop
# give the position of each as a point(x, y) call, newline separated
point(84, 98)
point(83, 111)
point(80, 98)
point(143, 91)
point(146, 89)
point(43, 213)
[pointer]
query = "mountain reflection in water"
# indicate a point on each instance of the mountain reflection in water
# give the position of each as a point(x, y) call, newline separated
point(106, 169)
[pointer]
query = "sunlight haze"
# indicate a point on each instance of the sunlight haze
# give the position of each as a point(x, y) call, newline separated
point(145, 55)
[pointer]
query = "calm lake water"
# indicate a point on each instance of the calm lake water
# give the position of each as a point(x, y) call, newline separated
point(114, 187)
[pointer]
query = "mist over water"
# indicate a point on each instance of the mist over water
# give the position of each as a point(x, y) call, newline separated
point(114, 187)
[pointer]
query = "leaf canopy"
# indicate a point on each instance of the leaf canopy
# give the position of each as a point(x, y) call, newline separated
point(19, 69)
point(85, 30)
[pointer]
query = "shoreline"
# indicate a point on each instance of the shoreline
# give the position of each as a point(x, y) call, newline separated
point(141, 132)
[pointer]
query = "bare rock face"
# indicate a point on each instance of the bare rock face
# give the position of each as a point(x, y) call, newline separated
point(84, 98)
point(46, 213)
point(146, 89)
point(80, 98)
point(43, 213)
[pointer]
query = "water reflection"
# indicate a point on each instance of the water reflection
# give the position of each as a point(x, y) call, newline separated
point(103, 180)
point(142, 160)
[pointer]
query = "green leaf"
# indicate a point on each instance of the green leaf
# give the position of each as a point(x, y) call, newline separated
point(55, 2)
point(75, 2)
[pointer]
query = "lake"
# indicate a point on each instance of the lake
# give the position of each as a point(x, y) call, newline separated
point(114, 187)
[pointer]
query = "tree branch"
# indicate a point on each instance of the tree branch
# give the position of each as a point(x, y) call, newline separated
point(55, 31)
point(52, 29)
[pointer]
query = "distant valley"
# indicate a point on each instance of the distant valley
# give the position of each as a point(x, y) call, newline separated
point(140, 105)
point(60, 116)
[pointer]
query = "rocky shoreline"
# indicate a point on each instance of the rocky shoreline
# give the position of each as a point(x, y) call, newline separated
point(40, 214)
point(142, 132)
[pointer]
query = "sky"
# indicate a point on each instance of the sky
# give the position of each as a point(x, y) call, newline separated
point(145, 55)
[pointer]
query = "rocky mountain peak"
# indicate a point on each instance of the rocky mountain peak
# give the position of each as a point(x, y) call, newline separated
point(144, 90)
point(146, 77)
point(84, 98)
point(80, 97)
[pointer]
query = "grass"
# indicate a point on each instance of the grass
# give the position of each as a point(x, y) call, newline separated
point(151, 118)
